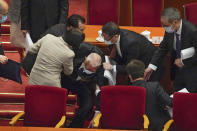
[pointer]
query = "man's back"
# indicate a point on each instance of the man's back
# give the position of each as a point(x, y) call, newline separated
point(156, 100)
point(53, 55)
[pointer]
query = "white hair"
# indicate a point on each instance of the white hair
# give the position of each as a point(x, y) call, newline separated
point(94, 59)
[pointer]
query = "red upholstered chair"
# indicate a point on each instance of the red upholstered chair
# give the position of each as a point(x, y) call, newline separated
point(146, 12)
point(184, 112)
point(190, 12)
point(122, 107)
point(103, 11)
point(44, 106)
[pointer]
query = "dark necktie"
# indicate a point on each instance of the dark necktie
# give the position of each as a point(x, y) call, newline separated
point(113, 52)
point(178, 46)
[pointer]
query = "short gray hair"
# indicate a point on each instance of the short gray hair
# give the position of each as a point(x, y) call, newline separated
point(171, 14)
point(94, 59)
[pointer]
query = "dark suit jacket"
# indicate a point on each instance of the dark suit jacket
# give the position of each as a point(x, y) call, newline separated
point(133, 46)
point(39, 15)
point(188, 39)
point(156, 100)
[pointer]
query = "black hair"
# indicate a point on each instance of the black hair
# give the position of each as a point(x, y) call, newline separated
point(111, 29)
point(74, 19)
point(74, 38)
point(135, 68)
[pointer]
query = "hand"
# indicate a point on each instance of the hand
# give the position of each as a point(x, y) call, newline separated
point(147, 73)
point(91, 124)
point(3, 59)
point(24, 32)
point(178, 62)
point(107, 66)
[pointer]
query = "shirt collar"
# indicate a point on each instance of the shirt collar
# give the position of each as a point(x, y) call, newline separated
point(118, 41)
point(180, 29)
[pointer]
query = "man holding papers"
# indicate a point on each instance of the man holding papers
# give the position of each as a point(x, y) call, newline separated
point(180, 40)
point(126, 45)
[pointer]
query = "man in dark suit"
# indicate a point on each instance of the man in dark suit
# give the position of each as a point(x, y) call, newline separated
point(39, 15)
point(74, 21)
point(126, 45)
point(87, 75)
point(156, 98)
point(180, 40)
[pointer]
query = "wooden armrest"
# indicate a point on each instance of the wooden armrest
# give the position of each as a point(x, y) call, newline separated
point(97, 120)
point(167, 125)
point(61, 122)
point(15, 118)
point(146, 121)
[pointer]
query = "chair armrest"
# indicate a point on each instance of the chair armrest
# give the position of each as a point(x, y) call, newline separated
point(167, 125)
point(61, 122)
point(97, 120)
point(146, 121)
point(15, 118)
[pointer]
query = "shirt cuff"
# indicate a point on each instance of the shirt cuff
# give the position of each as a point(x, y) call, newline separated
point(114, 68)
point(97, 91)
point(97, 111)
point(152, 67)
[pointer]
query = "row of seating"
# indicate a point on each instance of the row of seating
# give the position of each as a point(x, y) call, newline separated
point(45, 106)
point(143, 12)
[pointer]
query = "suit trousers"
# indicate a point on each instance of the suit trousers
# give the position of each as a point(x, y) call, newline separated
point(85, 92)
point(186, 78)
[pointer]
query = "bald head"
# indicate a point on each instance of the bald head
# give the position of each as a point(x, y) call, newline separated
point(3, 7)
point(94, 59)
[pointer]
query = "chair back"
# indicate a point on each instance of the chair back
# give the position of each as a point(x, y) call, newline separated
point(190, 12)
point(103, 11)
point(44, 105)
point(185, 111)
point(122, 107)
point(147, 12)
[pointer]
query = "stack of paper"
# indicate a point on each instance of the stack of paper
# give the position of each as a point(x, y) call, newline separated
point(110, 74)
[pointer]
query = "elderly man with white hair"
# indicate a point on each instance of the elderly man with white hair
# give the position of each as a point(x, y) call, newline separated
point(87, 75)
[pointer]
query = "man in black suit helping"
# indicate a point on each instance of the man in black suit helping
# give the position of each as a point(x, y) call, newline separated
point(126, 45)
point(180, 40)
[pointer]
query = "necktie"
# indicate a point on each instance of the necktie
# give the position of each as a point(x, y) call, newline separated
point(178, 46)
point(113, 52)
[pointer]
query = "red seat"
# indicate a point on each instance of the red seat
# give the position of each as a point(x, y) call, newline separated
point(122, 107)
point(184, 112)
point(190, 12)
point(103, 11)
point(147, 12)
point(44, 106)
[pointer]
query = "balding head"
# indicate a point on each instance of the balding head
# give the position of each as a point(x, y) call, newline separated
point(92, 62)
point(3, 7)
point(94, 59)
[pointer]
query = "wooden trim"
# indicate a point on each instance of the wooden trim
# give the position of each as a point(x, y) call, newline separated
point(184, 12)
point(87, 2)
point(131, 3)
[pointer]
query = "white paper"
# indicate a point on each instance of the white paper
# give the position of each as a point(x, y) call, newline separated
point(146, 33)
point(100, 37)
point(29, 42)
point(184, 90)
point(187, 53)
point(110, 75)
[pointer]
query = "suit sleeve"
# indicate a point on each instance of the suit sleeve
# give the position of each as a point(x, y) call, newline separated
point(36, 47)
point(163, 97)
point(161, 52)
point(68, 64)
point(25, 5)
point(64, 7)
point(133, 52)
point(193, 59)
